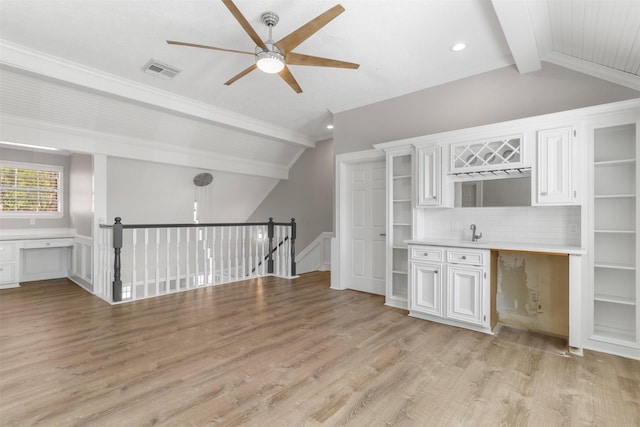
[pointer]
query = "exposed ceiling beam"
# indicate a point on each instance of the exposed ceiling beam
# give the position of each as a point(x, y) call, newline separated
point(515, 21)
point(21, 58)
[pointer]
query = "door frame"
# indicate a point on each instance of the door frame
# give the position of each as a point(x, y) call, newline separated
point(339, 256)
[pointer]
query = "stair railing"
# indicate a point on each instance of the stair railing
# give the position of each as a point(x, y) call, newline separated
point(156, 259)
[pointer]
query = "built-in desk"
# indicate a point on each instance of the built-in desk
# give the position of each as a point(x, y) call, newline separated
point(27, 259)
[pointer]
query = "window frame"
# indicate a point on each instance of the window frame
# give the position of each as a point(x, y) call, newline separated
point(37, 167)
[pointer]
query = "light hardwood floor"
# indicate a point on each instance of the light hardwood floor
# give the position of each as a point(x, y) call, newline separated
point(276, 352)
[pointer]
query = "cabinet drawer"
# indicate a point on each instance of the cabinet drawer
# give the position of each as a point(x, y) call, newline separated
point(8, 273)
point(8, 251)
point(47, 243)
point(466, 257)
point(426, 254)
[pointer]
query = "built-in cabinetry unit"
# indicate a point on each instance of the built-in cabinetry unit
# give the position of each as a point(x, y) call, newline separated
point(450, 285)
point(8, 264)
point(399, 224)
point(584, 180)
point(555, 180)
point(614, 243)
point(33, 259)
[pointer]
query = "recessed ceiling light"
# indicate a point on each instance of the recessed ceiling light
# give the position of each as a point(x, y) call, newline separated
point(458, 47)
point(330, 126)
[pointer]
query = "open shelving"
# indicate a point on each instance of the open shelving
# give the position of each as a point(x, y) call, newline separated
point(615, 236)
point(400, 226)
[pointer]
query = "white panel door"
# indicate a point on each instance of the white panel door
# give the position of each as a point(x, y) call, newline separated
point(429, 176)
point(366, 227)
point(426, 288)
point(464, 294)
point(554, 167)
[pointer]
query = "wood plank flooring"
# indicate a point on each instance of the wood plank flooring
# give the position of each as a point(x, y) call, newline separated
point(275, 352)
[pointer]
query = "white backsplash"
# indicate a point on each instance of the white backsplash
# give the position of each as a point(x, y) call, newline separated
point(556, 225)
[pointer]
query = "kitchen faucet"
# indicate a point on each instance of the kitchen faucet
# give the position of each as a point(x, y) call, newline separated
point(474, 237)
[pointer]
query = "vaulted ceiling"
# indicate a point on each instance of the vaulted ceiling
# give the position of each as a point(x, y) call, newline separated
point(78, 65)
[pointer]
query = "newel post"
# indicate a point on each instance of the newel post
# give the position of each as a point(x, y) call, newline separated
point(293, 247)
point(117, 245)
point(270, 230)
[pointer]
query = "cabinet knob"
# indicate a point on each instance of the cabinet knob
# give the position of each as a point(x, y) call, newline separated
point(426, 254)
point(544, 193)
point(464, 257)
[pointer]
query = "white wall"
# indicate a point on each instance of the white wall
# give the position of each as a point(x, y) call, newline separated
point(144, 192)
point(45, 158)
point(486, 98)
point(306, 196)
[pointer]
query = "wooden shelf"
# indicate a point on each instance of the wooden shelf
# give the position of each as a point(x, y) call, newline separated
point(616, 231)
point(402, 177)
point(609, 334)
point(399, 272)
point(400, 247)
point(402, 201)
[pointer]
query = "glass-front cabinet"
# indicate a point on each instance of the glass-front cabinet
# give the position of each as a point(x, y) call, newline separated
point(613, 236)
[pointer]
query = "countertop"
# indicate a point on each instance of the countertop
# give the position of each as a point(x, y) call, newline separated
point(505, 246)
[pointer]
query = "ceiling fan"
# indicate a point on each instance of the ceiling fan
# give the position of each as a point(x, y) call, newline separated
point(274, 57)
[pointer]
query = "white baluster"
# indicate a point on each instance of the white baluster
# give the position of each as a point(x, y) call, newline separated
point(229, 254)
point(213, 256)
point(132, 293)
point(187, 276)
point(197, 264)
point(244, 241)
point(157, 261)
point(236, 254)
point(221, 254)
point(178, 286)
point(146, 262)
point(205, 258)
point(168, 269)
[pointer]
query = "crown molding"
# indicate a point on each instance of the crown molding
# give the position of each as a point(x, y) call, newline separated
point(39, 63)
point(593, 69)
point(77, 140)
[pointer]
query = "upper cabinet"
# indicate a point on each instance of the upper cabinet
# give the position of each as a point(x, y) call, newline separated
point(555, 183)
point(429, 169)
point(492, 154)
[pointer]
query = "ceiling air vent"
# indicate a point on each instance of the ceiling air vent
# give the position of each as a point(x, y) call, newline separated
point(159, 69)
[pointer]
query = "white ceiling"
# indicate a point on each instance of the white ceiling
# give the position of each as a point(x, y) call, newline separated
point(401, 46)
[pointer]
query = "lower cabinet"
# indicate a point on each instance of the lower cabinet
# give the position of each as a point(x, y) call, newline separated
point(450, 285)
point(426, 288)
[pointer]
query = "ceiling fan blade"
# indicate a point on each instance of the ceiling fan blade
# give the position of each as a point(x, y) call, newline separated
point(291, 81)
point(208, 47)
point(294, 39)
point(240, 75)
point(316, 61)
point(244, 23)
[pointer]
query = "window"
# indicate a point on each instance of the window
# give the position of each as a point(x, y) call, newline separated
point(28, 190)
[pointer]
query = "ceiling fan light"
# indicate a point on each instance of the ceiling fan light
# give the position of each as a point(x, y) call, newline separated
point(269, 61)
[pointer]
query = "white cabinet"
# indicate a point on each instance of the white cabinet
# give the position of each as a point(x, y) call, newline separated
point(464, 293)
point(613, 299)
point(450, 285)
point(399, 224)
point(491, 154)
point(427, 288)
point(429, 166)
point(555, 184)
point(9, 266)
